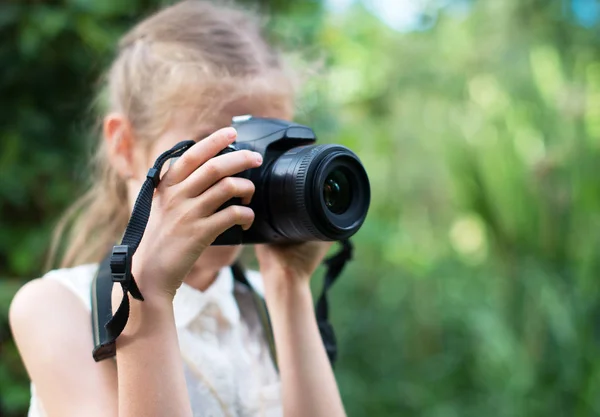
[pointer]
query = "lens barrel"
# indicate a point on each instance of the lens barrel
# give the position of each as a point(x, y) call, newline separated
point(317, 192)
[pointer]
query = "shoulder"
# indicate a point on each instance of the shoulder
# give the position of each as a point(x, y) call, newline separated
point(35, 297)
point(43, 301)
point(76, 275)
point(78, 280)
point(42, 317)
point(48, 305)
point(52, 331)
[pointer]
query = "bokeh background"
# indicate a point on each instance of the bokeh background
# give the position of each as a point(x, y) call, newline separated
point(475, 287)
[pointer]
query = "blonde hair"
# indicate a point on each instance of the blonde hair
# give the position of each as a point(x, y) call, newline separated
point(192, 56)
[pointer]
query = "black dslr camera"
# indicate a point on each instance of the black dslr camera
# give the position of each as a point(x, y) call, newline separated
point(304, 192)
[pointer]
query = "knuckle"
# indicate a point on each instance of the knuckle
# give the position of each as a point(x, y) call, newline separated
point(169, 202)
point(212, 170)
point(246, 188)
point(168, 206)
point(231, 186)
point(237, 212)
point(198, 230)
point(184, 216)
point(186, 161)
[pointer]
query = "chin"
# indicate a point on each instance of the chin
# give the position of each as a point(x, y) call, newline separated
point(218, 256)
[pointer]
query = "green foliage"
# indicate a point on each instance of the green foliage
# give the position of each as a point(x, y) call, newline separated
point(475, 293)
point(474, 287)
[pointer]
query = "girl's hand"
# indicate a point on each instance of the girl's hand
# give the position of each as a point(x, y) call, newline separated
point(282, 265)
point(183, 221)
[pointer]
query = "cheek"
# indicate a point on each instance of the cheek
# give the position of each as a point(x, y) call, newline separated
point(146, 156)
point(161, 145)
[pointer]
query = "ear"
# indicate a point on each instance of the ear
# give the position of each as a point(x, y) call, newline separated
point(119, 138)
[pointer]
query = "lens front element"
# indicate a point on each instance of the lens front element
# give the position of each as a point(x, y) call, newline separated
point(337, 192)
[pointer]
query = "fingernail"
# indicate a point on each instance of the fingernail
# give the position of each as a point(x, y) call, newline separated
point(231, 133)
point(258, 158)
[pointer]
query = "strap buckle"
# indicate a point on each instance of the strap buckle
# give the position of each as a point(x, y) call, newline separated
point(120, 263)
point(120, 270)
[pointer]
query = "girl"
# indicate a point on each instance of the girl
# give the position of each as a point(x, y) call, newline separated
point(187, 349)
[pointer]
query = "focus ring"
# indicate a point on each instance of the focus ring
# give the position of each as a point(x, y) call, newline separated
point(302, 187)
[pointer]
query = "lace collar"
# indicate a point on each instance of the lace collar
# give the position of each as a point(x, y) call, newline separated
point(217, 301)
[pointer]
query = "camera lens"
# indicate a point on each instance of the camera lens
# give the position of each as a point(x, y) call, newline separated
point(337, 192)
point(317, 192)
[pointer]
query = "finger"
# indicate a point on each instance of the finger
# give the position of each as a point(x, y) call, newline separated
point(198, 154)
point(223, 191)
point(222, 220)
point(217, 168)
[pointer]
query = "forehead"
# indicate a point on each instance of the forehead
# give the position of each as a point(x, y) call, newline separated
point(265, 106)
point(199, 122)
point(196, 122)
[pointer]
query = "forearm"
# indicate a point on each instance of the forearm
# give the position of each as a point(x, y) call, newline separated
point(308, 383)
point(150, 371)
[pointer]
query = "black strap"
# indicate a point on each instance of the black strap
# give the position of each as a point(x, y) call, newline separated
point(120, 260)
point(335, 264)
point(261, 309)
point(104, 346)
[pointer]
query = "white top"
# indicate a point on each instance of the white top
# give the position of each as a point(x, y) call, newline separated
point(228, 367)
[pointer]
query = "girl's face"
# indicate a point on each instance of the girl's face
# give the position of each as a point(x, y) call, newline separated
point(184, 128)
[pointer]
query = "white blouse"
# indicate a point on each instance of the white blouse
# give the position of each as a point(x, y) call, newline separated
point(228, 367)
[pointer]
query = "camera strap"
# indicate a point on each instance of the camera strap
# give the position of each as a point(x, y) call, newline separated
point(335, 264)
point(116, 268)
point(120, 259)
point(260, 307)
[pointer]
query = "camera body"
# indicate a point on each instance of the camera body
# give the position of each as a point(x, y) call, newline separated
point(303, 191)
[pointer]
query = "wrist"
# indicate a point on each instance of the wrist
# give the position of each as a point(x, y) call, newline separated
point(284, 274)
point(283, 292)
point(148, 316)
point(149, 282)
